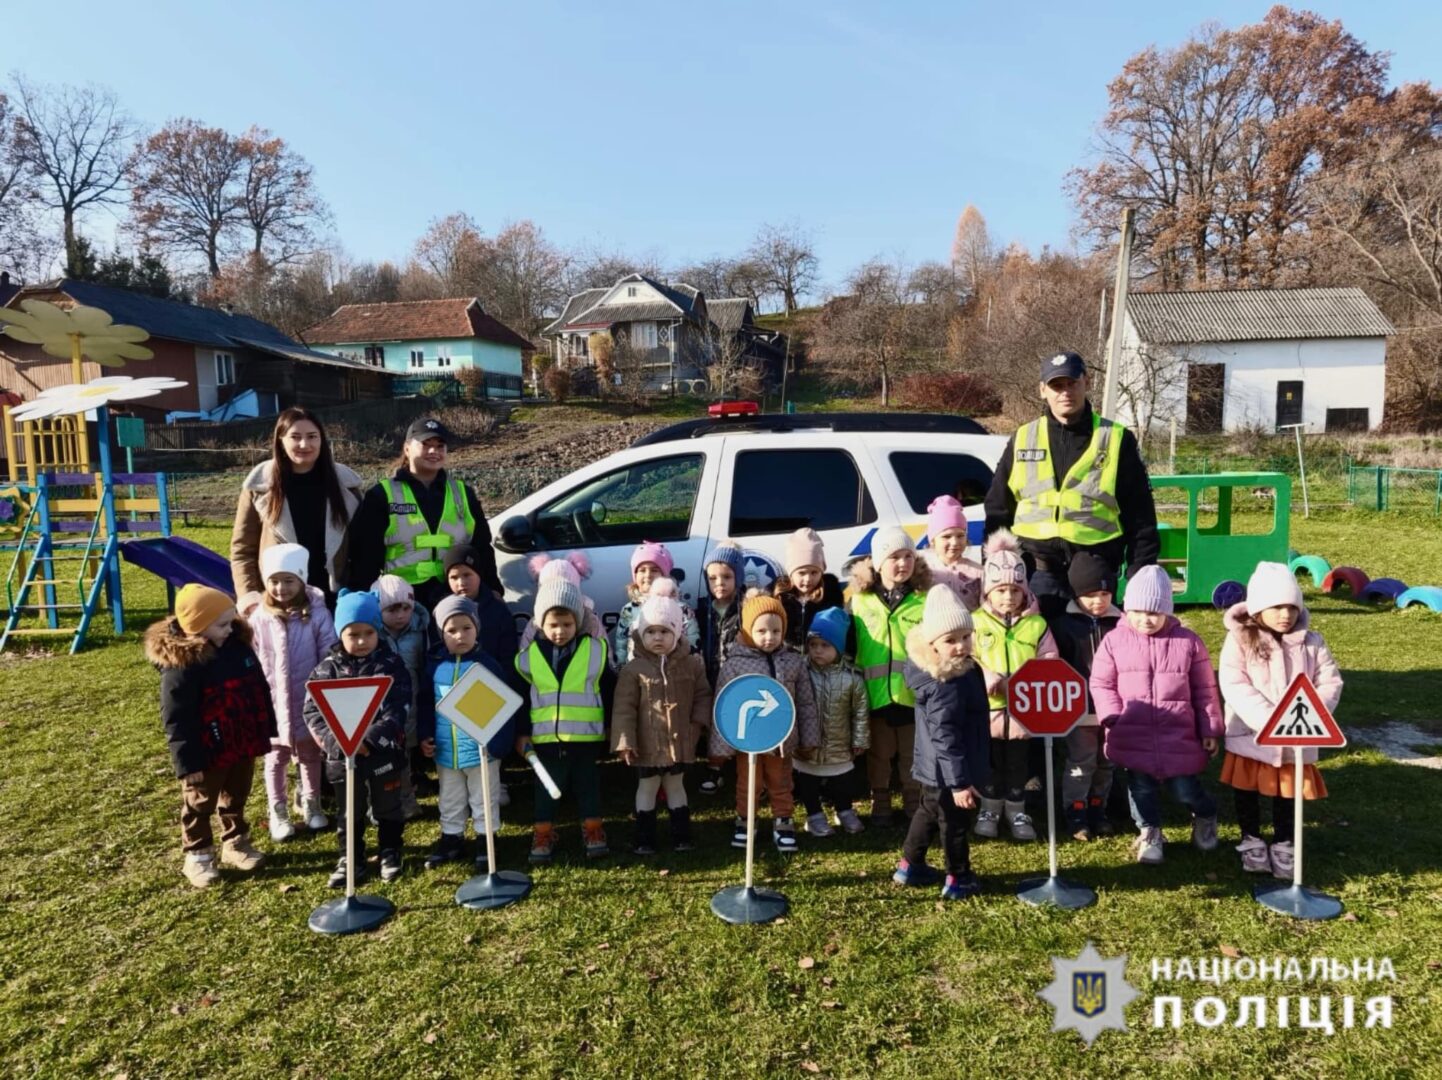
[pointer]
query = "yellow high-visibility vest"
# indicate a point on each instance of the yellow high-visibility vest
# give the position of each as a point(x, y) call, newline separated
point(1002, 649)
point(566, 709)
point(414, 552)
point(1083, 508)
point(881, 646)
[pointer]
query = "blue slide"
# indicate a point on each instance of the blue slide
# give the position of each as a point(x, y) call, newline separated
point(178, 561)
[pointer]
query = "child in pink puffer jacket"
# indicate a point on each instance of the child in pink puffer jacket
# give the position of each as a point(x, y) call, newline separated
point(946, 543)
point(1156, 697)
point(1269, 643)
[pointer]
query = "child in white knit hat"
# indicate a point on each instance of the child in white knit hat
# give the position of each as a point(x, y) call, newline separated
point(1269, 642)
point(952, 736)
point(292, 631)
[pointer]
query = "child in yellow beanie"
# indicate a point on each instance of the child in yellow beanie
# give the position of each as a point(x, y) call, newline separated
point(216, 708)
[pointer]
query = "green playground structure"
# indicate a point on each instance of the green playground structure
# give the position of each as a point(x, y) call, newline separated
point(1209, 563)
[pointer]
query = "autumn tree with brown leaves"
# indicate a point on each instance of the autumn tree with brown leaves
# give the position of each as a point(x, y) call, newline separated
point(279, 203)
point(185, 195)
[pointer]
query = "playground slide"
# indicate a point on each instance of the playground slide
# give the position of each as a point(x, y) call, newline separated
point(178, 561)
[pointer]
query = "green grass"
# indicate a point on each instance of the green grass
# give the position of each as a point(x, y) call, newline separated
point(111, 964)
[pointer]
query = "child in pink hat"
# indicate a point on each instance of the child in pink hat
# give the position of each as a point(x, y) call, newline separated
point(649, 561)
point(946, 544)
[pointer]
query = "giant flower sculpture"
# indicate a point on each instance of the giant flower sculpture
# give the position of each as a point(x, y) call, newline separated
point(75, 333)
point(82, 397)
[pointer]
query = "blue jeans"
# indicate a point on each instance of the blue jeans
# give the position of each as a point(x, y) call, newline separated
point(1144, 793)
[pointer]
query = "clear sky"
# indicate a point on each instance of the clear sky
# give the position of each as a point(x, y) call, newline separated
point(675, 128)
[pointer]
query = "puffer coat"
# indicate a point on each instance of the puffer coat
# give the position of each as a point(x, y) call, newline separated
point(789, 669)
point(289, 646)
point(663, 704)
point(844, 712)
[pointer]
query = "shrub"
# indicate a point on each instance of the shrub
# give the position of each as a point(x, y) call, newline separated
point(470, 422)
point(474, 380)
point(557, 382)
point(441, 390)
point(957, 392)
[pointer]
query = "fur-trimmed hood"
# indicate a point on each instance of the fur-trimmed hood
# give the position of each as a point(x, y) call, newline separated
point(258, 479)
point(924, 655)
point(864, 577)
point(168, 646)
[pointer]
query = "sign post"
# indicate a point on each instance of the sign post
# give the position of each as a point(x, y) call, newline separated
point(479, 704)
point(1300, 720)
point(348, 706)
point(1047, 698)
point(753, 714)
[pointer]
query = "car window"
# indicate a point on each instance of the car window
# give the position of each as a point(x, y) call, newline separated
point(780, 491)
point(648, 500)
point(923, 475)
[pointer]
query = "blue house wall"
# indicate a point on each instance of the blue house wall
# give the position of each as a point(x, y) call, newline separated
point(464, 352)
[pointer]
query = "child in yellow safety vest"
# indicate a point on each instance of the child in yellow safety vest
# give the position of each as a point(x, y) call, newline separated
point(565, 721)
point(888, 593)
point(1009, 631)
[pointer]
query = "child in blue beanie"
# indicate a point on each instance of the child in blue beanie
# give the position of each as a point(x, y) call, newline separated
point(845, 714)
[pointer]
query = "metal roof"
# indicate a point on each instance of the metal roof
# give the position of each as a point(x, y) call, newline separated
point(729, 314)
point(608, 314)
point(1194, 318)
point(578, 302)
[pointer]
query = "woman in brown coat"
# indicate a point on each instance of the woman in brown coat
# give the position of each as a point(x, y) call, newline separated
point(663, 704)
point(300, 496)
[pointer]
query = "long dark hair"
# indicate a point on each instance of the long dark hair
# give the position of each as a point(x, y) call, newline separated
point(281, 469)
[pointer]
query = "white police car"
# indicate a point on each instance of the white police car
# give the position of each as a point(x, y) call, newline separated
point(752, 479)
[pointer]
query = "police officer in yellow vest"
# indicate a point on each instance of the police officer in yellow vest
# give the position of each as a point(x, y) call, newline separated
point(407, 521)
point(1072, 481)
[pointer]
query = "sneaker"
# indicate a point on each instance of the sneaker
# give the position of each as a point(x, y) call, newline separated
point(1283, 860)
point(1097, 820)
point(817, 825)
point(543, 842)
point(1254, 855)
point(1076, 822)
point(783, 835)
point(337, 876)
point(315, 819)
point(593, 835)
point(280, 826)
point(1204, 833)
point(850, 820)
point(713, 782)
point(1149, 846)
point(915, 874)
point(241, 854)
point(447, 849)
point(503, 796)
point(391, 864)
point(988, 819)
point(200, 869)
point(960, 886)
point(738, 833)
point(1018, 821)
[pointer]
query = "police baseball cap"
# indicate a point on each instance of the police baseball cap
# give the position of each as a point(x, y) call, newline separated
point(428, 427)
point(1067, 365)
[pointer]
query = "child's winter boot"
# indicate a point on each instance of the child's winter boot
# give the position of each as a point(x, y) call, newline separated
point(593, 835)
point(783, 835)
point(817, 825)
point(988, 818)
point(200, 869)
point(738, 833)
point(681, 828)
point(1149, 846)
point(447, 849)
point(1097, 820)
point(280, 826)
point(1019, 821)
point(543, 842)
point(1255, 859)
point(915, 874)
point(391, 864)
point(644, 841)
point(1076, 821)
point(850, 821)
point(241, 854)
point(1283, 860)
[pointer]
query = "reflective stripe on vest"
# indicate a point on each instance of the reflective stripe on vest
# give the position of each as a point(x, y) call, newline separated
point(413, 552)
point(881, 646)
point(569, 709)
point(1083, 509)
point(1002, 649)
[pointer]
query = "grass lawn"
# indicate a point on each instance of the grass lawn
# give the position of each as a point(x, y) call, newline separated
point(110, 964)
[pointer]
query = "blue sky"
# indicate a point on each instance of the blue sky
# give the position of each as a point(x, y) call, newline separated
point(675, 128)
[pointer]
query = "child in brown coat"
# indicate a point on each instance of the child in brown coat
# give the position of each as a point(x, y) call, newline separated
point(663, 705)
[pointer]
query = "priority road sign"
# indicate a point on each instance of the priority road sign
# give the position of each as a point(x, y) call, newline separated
point(754, 713)
point(479, 703)
point(349, 706)
point(1300, 719)
point(1046, 697)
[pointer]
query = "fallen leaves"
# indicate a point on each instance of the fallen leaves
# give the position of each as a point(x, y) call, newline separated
point(806, 963)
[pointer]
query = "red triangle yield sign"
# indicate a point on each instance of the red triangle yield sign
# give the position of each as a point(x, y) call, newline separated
point(349, 705)
point(1300, 719)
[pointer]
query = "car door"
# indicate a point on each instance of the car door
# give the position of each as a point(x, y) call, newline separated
point(922, 469)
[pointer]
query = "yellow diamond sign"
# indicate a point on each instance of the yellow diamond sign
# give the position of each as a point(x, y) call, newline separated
point(479, 703)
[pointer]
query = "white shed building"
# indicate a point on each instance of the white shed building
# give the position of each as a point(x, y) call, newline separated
point(1235, 359)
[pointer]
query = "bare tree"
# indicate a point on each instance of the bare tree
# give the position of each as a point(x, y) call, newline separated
point(77, 141)
point(875, 332)
point(787, 257)
point(453, 250)
point(281, 205)
point(18, 234)
point(730, 372)
point(523, 276)
point(185, 191)
point(600, 268)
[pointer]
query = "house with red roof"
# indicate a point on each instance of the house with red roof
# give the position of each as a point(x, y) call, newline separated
point(430, 338)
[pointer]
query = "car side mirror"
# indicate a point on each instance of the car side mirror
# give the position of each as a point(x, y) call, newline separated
point(598, 511)
point(679, 575)
point(515, 535)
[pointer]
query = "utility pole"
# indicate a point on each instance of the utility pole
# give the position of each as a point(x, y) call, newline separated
point(1119, 308)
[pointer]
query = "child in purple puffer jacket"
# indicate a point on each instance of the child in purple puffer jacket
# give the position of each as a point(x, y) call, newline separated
point(1157, 700)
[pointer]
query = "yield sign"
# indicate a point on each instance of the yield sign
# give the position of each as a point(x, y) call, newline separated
point(349, 705)
point(1300, 719)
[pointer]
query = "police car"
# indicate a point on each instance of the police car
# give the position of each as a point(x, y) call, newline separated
point(751, 478)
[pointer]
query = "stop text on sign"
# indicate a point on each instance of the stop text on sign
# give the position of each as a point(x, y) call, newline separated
point(1048, 697)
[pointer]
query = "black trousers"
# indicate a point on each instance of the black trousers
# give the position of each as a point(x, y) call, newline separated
point(836, 789)
point(378, 777)
point(938, 813)
point(1249, 815)
point(1008, 768)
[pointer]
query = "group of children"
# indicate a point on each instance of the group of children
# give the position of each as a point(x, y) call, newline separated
point(908, 667)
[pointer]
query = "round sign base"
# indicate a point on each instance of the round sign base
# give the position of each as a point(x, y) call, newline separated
point(351, 914)
point(738, 905)
point(486, 891)
point(1057, 892)
point(1298, 901)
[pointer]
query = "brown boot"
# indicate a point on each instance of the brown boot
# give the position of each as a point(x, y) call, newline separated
point(200, 869)
point(594, 837)
point(241, 854)
point(880, 808)
point(543, 842)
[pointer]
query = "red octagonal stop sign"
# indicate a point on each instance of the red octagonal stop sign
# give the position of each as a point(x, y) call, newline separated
point(1047, 697)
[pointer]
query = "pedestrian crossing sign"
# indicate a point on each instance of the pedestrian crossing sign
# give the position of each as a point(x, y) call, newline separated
point(1300, 719)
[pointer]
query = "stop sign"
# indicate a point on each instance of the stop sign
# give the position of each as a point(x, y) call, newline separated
point(1046, 697)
